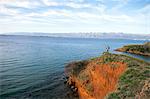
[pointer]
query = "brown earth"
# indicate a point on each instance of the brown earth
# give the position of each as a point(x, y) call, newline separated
point(110, 76)
point(102, 78)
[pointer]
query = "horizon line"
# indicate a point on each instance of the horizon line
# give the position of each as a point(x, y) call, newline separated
point(9, 33)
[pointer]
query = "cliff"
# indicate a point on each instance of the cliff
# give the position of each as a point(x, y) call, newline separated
point(136, 49)
point(110, 76)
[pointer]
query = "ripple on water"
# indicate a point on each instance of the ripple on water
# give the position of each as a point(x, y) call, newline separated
point(33, 67)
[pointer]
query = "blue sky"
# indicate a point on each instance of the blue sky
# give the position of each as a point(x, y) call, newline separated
point(53, 16)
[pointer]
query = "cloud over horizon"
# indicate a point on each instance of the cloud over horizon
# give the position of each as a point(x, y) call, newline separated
point(129, 16)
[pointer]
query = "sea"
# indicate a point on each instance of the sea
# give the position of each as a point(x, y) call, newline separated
point(32, 67)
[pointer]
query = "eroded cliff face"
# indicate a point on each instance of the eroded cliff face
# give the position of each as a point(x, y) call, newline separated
point(109, 76)
point(97, 79)
point(104, 78)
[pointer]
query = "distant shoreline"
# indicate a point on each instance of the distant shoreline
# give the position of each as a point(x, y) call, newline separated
point(72, 37)
point(136, 49)
point(133, 52)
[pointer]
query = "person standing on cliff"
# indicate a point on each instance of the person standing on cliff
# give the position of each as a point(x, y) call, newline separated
point(107, 49)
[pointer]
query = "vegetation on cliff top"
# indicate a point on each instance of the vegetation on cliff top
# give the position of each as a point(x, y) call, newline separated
point(112, 76)
point(136, 49)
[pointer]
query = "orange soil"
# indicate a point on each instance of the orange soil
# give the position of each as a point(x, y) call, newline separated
point(104, 78)
point(83, 94)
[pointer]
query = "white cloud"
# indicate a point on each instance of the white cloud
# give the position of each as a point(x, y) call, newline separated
point(118, 18)
point(73, 13)
point(48, 13)
point(77, 5)
point(20, 3)
point(71, 4)
point(51, 3)
point(6, 11)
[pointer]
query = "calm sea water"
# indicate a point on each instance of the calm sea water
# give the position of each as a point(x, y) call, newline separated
point(33, 67)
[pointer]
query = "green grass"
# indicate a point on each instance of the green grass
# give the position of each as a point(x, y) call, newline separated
point(78, 66)
point(131, 81)
point(145, 48)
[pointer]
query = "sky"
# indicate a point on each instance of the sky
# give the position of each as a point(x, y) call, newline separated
point(65, 16)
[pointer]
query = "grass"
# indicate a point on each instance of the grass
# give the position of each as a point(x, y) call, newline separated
point(78, 66)
point(137, 49)
point(130, 83)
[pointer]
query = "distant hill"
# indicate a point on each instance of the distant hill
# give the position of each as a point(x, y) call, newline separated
point(87, 35)
point(136, 49)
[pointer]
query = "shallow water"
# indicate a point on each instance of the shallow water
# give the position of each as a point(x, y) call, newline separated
point(33, 67)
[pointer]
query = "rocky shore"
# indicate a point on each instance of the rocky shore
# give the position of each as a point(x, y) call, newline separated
point(136, 49)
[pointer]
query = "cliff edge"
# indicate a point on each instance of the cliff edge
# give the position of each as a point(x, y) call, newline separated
point(110, 76)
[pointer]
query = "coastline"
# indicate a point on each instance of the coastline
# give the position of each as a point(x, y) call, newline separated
point(132, 52)
point(142, 49)
point(84, 79)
